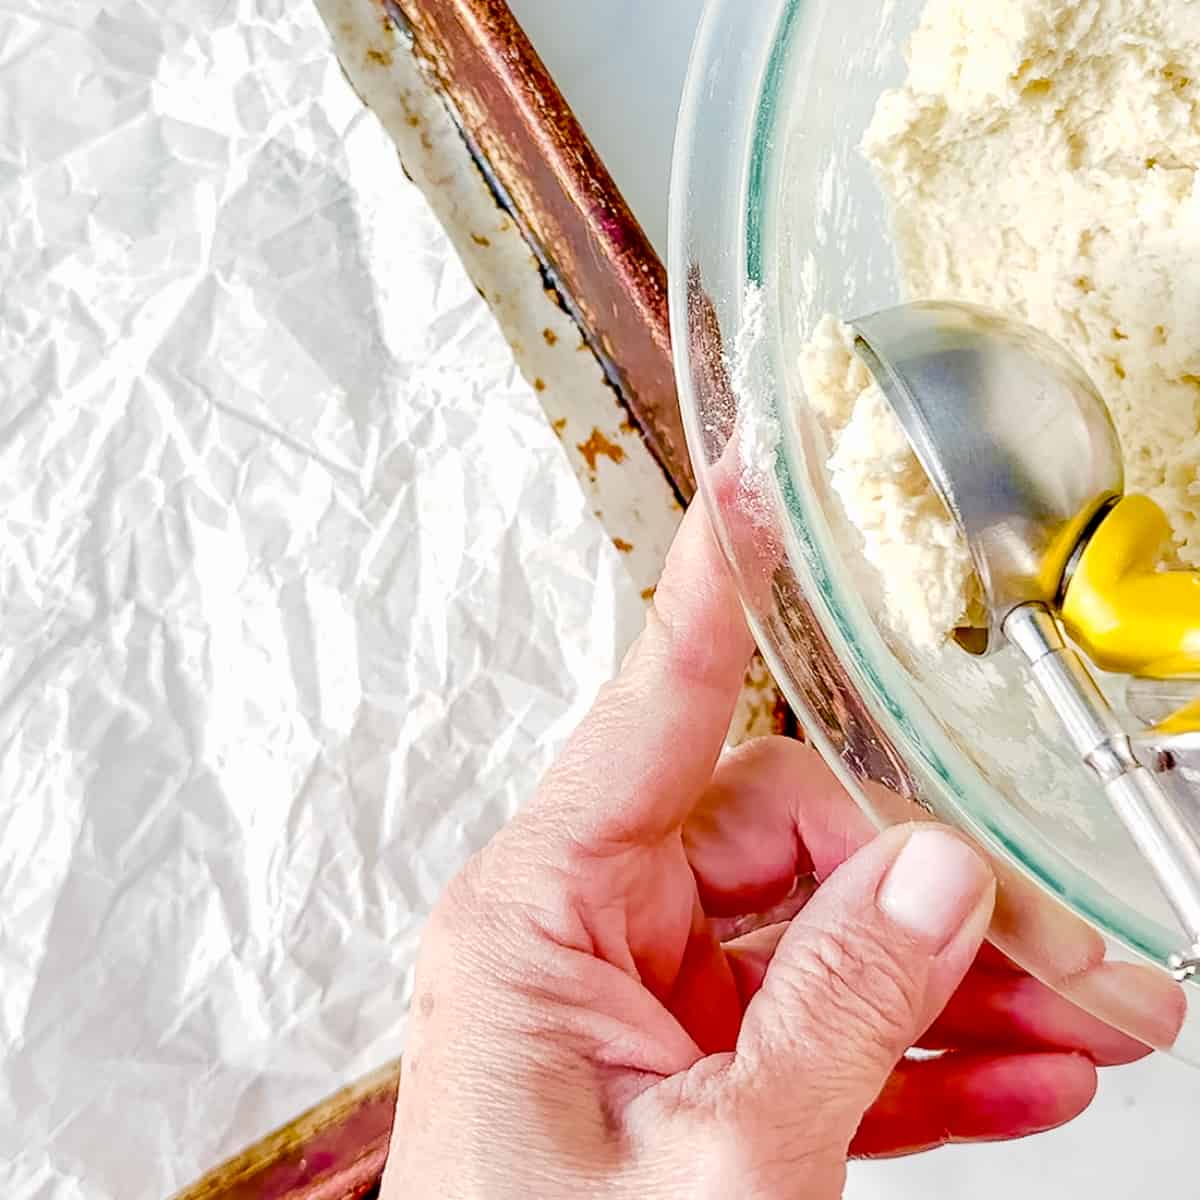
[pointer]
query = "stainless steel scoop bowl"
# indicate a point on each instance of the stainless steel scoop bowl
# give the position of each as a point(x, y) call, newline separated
point(1022, 450)
point(1012, 434)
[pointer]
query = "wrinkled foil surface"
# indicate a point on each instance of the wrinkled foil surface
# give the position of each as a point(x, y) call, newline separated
point(298, 593)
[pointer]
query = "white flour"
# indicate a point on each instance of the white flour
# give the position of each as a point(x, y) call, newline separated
point(758, 429)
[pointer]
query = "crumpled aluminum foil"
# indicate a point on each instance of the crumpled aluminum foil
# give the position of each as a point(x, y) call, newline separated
point(299, 594)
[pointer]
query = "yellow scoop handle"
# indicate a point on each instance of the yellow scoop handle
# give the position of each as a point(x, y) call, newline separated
point(1126, 615)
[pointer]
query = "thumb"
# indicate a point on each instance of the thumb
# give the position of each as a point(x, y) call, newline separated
point(863, 972)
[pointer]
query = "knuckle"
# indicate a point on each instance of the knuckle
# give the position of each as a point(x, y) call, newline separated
point(447, 923)
point(861, 987)
point(461, 900)
point(465, 947)
point(758, 749)
point(492, 920)
point(468, 908)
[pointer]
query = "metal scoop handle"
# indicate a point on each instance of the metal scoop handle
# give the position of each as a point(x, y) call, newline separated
point(1137, 795)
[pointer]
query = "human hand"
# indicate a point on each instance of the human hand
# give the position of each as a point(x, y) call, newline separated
point(585, 1024)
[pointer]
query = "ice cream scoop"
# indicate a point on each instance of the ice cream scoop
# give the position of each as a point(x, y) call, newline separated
point(1020, 446)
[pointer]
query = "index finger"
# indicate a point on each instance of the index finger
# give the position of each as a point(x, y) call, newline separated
point(640, 761)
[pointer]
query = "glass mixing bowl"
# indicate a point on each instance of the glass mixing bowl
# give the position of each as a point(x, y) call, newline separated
point(777, 219)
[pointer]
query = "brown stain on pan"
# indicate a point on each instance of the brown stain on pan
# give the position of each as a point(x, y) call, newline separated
point(598, 446)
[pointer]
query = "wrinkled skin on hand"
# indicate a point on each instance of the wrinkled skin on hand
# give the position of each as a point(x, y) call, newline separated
point(593, 1019)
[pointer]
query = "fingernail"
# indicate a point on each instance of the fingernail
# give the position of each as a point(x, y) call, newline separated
point(934, 886)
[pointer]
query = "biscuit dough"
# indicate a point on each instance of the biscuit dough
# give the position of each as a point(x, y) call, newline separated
point(1041, 159)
